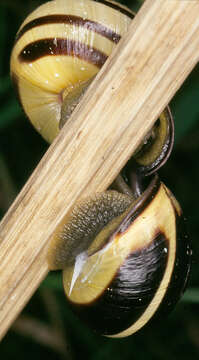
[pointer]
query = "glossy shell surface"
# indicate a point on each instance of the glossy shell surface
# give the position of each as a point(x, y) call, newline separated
point(139, 271)
point(59, 46)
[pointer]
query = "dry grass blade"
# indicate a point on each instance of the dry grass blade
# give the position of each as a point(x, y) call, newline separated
point(148, 66)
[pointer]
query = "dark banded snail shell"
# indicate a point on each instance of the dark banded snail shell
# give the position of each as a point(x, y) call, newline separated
point(59, 49)
point(118, 272)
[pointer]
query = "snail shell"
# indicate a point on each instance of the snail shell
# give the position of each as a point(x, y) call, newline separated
point(133, 266)
point(59, 49)
point(59, 46)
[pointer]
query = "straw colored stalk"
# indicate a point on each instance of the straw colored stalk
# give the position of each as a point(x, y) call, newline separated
point(138, 80)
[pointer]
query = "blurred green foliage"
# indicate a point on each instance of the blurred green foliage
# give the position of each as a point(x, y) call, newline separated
point(21, 148)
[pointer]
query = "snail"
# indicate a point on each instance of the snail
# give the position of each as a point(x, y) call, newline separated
point(125, 259)
point(58, 50)
point(124, 255)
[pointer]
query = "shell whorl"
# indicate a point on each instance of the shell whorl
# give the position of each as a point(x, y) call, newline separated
point(60, 45)
point(137, 270)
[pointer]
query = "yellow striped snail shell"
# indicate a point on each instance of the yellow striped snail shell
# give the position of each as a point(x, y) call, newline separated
point(58, 50)
point(125, 258)
point(125, 261)
point(59, 46)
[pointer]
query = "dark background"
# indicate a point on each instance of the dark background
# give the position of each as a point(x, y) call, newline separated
point(47, 327)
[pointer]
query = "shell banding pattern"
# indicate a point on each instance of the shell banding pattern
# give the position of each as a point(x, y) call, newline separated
point(58, 50)
point(60, 45)
point(140, 270)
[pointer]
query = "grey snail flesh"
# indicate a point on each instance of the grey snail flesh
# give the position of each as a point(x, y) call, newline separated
point(85, 222)
point(140, 270)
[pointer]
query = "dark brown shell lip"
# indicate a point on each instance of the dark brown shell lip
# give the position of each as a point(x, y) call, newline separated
point(140, 204)
point(166, 150)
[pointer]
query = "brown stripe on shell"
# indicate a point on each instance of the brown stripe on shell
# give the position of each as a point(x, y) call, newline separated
point(118, 7)
point(71, 20)
point(50, 47)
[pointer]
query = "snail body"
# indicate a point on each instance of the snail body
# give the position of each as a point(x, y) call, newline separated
point(132, 268)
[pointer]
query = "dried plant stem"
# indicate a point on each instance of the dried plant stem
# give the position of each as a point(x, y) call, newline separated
point(138, 80)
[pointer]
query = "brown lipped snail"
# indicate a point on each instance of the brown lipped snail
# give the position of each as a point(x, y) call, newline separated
point(124, 260)
point(125, 257)
point(59, 48)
